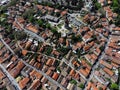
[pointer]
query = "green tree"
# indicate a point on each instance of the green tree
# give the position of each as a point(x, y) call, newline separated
point(100, 88)
point(20, 35)
point(48, 25)
point(102, 48)
point(98, 5)
point(102, 11)
point(12, 3)
point(80, 5)
point(81, 85)
point(28, 13)
point(63, 50)
point(114, 86)
point(54, 30)
point(115, 3)
point(58, 68)
point(40, 22)
point(31, 19)
point(73, 81)
point(76, 38)
point(116, 6)
point(48, 50)
point(117, 20)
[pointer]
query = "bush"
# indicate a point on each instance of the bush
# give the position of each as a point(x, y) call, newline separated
point(63, 50)
point(54, 30)
point(28, 13)
point(98, 5)
point(48, 25)
point(20, 35)
point(48, 50)
point(73, 81)
point(100, 88)
point(117, 21)
point(76, 38)
point(81, 85)
point(102, 48)
point(40, 22)
point(114, 86)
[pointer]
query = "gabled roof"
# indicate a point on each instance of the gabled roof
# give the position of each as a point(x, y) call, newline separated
point(108, 71)
point(106, 64)
point(23, 82)
point(55, 76)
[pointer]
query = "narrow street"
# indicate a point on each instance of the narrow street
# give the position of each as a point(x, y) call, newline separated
point(49, 78)
point(97, 63)
point(63, 60)
point(30, 33)
point(7, 46)
point(10, 78)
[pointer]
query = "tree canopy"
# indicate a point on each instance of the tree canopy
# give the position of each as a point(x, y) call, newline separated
point(114, 86)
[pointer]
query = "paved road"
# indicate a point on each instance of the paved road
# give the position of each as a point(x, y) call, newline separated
point(5, 71)
point(63, 60)
point(10, 78)
point(97, 63)
point(49, 78)
point(30, 32)
point(74, 20)
point(70, 65)
point(7, 46)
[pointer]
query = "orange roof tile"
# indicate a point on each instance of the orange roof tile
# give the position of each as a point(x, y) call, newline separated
point(82, 71)
point(49, 62)
point(86, 36)
point(36, 74)
point(89, 86)
point(93, 56)
point(63, 13)
point(23, 82)
point(116, 61)
point(106, 64)
point(24, 52)
point(55, 76)
point(86, 47)
point(55, 53)
point(20, 20)
point(28, 44)
point(115, 65)
point(116, 29)
point(17, 25)
point(87, 70)
point(32, 28)
point(77, 76)
point(39, 7)
point(16, 70)
point(94, 87)
point(108, 71)
point(49, 72)
point(1, 74)
point(72, 72)
point(34, 85)
point(91, 43)
point(14, 58)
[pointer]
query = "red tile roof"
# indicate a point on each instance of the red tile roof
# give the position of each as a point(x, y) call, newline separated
point(23, 82)
point(55, 76)
point(49, 62)
point(72, 73)
point(32, 28)
point(108, 71)
point(1, 75)
point(106, 64)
